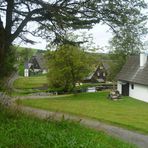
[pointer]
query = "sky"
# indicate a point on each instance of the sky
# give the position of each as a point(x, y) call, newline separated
point(100, 33)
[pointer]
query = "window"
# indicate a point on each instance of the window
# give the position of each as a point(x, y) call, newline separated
point(132, 86)
point(101, 67)
point(98, 74)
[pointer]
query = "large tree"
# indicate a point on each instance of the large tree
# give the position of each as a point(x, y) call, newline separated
point(126, 42)
point(67, 65)
point(54, 17)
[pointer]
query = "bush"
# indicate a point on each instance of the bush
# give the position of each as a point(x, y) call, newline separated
point(21, 70)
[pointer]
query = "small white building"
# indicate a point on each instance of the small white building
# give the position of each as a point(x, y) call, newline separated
point(133, 78)
point(26, 72)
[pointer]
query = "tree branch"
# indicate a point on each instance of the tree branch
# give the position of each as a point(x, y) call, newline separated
point(24, 22)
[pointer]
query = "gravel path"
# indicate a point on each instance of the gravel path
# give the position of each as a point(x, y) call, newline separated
point(39, 97)
point(11, 80)
point(129, 136)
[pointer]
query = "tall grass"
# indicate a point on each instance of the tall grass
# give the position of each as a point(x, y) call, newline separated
point(20, 131)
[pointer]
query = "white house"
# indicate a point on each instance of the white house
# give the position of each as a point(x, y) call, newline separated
point(133, 78)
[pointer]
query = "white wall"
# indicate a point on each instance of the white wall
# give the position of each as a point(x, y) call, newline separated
point(37, 70)
point(44, 71)
point(26, 72)
point(139, 92)
point(119, 86)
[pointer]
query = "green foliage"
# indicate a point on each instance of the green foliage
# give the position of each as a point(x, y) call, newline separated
point(119, 60)
point(9, 62)
point(66, 15)
point(21, 69)
point(67, 65)
point(7, 66)
point(127, 39)
point(123, 112)
point(19, 130)
point(20, 49)
point(24, 54)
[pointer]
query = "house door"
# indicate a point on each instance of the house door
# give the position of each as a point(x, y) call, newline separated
point(125, 89)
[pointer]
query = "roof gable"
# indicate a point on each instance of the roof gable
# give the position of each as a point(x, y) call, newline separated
point(132, 72)
point(37, 62)
point(34, 63)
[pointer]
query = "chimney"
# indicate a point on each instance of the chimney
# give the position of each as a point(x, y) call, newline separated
point(143, 59)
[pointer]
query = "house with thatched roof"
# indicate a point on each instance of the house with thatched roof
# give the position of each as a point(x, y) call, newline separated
point(133, 78)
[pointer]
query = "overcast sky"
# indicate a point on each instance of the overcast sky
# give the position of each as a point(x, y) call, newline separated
point(100, 33)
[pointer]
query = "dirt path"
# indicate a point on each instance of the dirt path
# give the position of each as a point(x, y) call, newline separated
point(39, 97)
point(11, 80)
point(129, 136)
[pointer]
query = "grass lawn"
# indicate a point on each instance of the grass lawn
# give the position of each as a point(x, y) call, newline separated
point(127, 112)
point(30, 82)
point(20, 131)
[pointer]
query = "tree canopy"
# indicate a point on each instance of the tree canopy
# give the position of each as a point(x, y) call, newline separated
point(58, 15)
point(55, 17)
point(67, 66)
point(126, 42)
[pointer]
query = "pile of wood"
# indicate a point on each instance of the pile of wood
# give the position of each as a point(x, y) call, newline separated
point(114, 95)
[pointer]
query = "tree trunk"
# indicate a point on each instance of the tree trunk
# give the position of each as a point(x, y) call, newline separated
point(2, 47)
point(6, 55)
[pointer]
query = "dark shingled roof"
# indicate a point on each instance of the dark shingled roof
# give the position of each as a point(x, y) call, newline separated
point(39, 61)
point(26, 66)
point(132, 72)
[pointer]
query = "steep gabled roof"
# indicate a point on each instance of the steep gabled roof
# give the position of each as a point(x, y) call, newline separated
point(132, 72)
point(34, 63)
point(41, 61)
point(38, 61)
point(91, 74)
